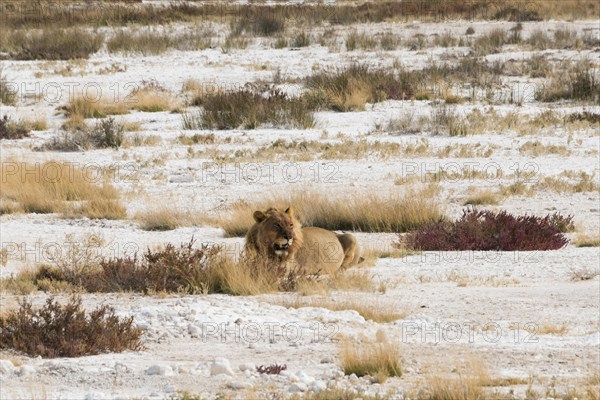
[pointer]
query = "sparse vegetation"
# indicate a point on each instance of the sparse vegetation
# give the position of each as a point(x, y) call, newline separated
point(106, 133)
point(82, 107)
point(379, 359)
point(121, 14)
point(56, 330)
point(244, 109)
point(55, 44)
point(583, 240)
point(57, 187)
point(8, 95)
point(162, 218)
point(466, 384)
point(351, 88)
point(150, 42)
point(150, 96)
point(486, 230)
point(482, 197)
point(577, 82)
point(10, 130)
point(584, 273)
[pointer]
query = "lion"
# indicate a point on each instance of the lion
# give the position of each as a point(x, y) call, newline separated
point(278, 237)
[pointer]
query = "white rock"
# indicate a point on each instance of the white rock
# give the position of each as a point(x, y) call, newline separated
point(194, 330)
point(318, 386)
point(163, 370)
point(327, 360)
point(297, 387)
point(247, 367)
point(221, 366)
point(6, 367)
point(27, 370)
point(304, 377)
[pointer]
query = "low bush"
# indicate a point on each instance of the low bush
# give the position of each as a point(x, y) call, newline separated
point(578, 82)
point(106, 133)
point(8, 96)
point(13, 130)
point(265, 23)
point(58, 44)
point(351, 88)
point(56, 330)
point(486, 230)
point(248, 110)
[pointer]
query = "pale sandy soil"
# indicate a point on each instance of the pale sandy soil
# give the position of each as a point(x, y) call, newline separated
point(499, 290)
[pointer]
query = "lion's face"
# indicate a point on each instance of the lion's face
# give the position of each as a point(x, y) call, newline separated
point(278, 232)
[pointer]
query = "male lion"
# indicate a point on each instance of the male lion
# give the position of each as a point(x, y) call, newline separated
point(279, 237)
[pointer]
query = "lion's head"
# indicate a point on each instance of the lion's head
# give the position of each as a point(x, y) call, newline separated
point(275, 234)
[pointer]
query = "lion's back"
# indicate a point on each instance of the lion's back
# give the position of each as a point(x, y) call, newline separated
point(321, 251)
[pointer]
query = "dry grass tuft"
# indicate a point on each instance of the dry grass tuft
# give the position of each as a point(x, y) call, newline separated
point(163, 218)
point(232, 110)
point(82, 107)
point(583, 240)
point(350, 89)
point(56, 44)
point(8, 95)
point(394, 212)
point(10, 130)
point(584, 273)
point(546, 329)
point(379, 359)
point(150, 96)
point(58, 187)
point(482, 197)
point(466, 384)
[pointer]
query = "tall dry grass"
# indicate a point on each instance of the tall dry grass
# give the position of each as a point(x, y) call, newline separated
point(392, 212)
point(379, 359)
point(54, 187)
point(468, 381)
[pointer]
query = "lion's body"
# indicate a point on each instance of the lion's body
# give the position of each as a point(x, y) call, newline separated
point(278, 237)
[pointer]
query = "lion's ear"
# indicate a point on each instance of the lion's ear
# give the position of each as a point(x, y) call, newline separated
point(290, 211)
point(259, 216)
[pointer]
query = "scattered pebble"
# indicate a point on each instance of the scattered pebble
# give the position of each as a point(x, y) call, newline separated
point(221, 366)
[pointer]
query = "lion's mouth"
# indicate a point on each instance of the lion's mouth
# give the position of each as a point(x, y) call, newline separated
point(282, 249)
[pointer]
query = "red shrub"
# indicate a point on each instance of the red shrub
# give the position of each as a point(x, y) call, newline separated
point(56, 330)
point(486, 230)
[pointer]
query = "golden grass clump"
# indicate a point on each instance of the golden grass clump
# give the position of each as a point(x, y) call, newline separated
point(584, 240)
point(82, 107)
point(379, 359)
point(466, 383)
point(393, 212)
point(53, 187)
point(482, 197)
point(151, 98)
